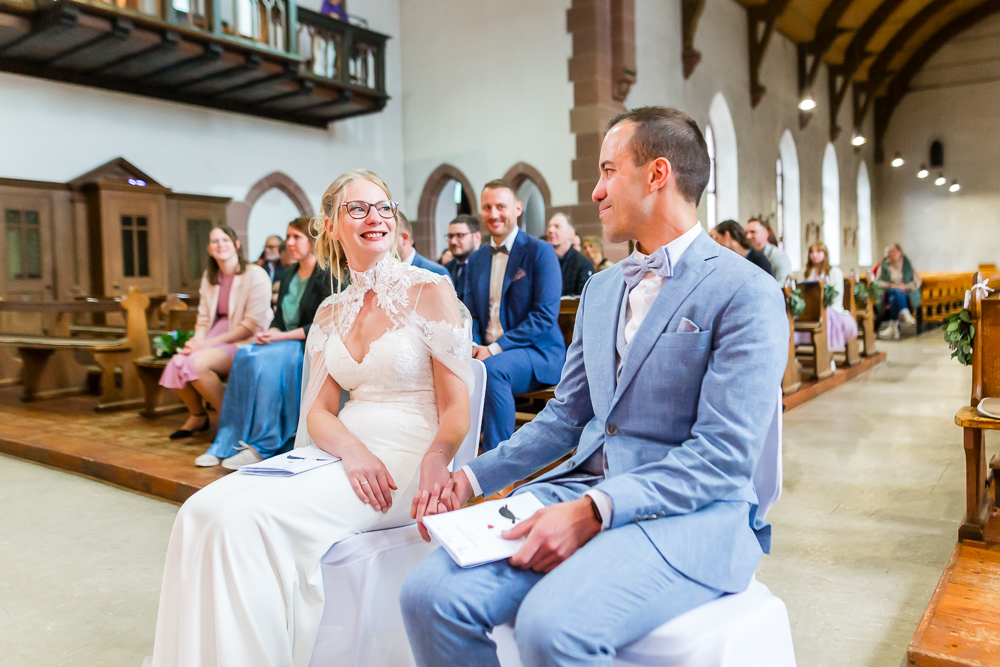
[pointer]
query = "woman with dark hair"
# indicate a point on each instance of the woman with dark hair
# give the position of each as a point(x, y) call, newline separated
point(728, 233)
point(260, 412)
point(903, 289)
point(235, 304)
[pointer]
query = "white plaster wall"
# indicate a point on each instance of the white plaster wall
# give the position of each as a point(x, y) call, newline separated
point(55, 132)
point(485, 86)
point(722, 40)
point(955, 100)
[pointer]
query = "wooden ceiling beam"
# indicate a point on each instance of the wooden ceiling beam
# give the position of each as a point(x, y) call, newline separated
point(899, 85)
point(841, 76)
point(690, 13)
point(760, 28)
point(878, 73)
point(811, 56)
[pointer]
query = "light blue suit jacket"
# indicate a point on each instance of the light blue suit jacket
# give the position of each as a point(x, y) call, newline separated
point(685, 422)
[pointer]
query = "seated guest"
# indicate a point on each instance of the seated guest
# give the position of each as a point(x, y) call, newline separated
point(270, 259)
point(260, 412)
point(334, 9)
point(513, 290)
point(841, 325)
point(903, 293)
point(576, 269)
point(593, 249)
point(234, 306)
point(408, 254)
point(464, 238)
point(657, 428)
point(759, 235)
point(728, 233)
point(445, 258)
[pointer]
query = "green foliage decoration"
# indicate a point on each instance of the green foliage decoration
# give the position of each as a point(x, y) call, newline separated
point(829, 295)
point(796, 302)
point(860, 295)
point(958, 333)
point(876, 292)
point(170, 343)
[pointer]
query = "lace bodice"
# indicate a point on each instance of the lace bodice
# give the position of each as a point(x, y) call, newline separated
point(428, 322)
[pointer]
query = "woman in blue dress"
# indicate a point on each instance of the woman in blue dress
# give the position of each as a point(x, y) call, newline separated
point(260, 411)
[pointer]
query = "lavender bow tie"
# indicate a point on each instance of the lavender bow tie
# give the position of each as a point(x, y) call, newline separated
point(634, 268)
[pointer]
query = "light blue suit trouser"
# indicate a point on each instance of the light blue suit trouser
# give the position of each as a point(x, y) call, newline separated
point(614, 590)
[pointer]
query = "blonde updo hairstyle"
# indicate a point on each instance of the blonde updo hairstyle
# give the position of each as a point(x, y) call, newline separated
point(329, 251)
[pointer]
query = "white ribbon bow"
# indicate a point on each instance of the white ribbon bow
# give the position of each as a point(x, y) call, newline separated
point(981, 286)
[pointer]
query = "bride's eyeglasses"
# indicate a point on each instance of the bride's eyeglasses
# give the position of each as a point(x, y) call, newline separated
point(359, 209)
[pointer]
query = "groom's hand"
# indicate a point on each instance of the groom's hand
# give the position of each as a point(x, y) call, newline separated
point(554, 534)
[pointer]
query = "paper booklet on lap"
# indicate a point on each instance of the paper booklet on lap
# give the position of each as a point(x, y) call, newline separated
point(472, 536)
point(291, 463)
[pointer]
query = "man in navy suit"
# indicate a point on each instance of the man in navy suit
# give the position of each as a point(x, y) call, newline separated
point(409, 255)
point(513, 289)
point(464, 238)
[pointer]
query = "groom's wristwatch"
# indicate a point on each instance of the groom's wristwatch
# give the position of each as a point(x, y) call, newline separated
point(597, 511)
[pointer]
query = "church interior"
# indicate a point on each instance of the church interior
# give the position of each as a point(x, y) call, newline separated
point(131, 129)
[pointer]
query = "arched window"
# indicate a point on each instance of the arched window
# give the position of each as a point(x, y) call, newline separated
point(269, 216)
point(446, 193)
point(711, 200)
point(864, 217)
point(831, 204)
point(532, 218)
point(789, 208)
point(533, 193)
point(727, 180)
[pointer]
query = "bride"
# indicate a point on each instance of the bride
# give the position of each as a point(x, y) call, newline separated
point(242, 584)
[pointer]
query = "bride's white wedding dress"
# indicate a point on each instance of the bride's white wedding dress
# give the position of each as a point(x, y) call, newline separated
point(242, 585)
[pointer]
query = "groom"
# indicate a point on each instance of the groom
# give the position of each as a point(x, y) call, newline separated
point(676, 356)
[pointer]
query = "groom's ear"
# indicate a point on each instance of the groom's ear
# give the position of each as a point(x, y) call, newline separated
point(658, 173)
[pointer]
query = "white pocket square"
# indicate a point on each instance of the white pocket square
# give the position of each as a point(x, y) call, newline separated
point(687, 326)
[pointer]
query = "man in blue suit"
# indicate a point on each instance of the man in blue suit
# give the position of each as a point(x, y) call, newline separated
point(409, 255)
point(513, 289)
point(671, 381)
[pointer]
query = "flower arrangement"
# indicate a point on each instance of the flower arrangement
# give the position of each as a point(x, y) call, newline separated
point(170, 343)
point(863, 294)
point(796, 302)
point(958, 333)
point(829, 295)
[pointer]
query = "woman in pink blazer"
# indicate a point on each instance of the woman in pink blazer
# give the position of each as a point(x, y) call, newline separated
point(235, 305)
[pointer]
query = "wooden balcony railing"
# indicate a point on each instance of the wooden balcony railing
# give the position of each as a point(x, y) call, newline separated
point(328, 48)
point(266, 58)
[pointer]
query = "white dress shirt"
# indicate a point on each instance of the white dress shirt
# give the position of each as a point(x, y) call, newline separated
point(637, 305)
point(411, 257)
point(498, 267)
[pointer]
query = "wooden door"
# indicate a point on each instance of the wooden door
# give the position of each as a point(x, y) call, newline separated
point(26, 245)
point(132, 249)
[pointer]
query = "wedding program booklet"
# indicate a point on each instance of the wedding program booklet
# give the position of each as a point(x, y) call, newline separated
point(472, 535)
point(291, 463)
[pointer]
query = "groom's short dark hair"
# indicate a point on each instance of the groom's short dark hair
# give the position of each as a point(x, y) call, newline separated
point(671, 134)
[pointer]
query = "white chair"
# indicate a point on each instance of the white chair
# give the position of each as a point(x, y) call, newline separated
point(748, 629)
point(362, 577)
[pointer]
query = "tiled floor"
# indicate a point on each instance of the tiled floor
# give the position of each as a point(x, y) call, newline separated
point(874, 493)
point(873, 496)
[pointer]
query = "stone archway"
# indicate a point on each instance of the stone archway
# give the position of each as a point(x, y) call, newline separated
point(522, 171)
point(423, 228)
point(238, 213)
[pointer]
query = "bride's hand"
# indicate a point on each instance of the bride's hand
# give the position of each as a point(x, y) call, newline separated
point(437, 493)
point(369, 478)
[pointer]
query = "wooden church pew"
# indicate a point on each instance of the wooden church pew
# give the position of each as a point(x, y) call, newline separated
point(792, 380)
point(49, 364)
point(985, 383)
point(852, 355)
point(866, 321)
point(813, 322)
